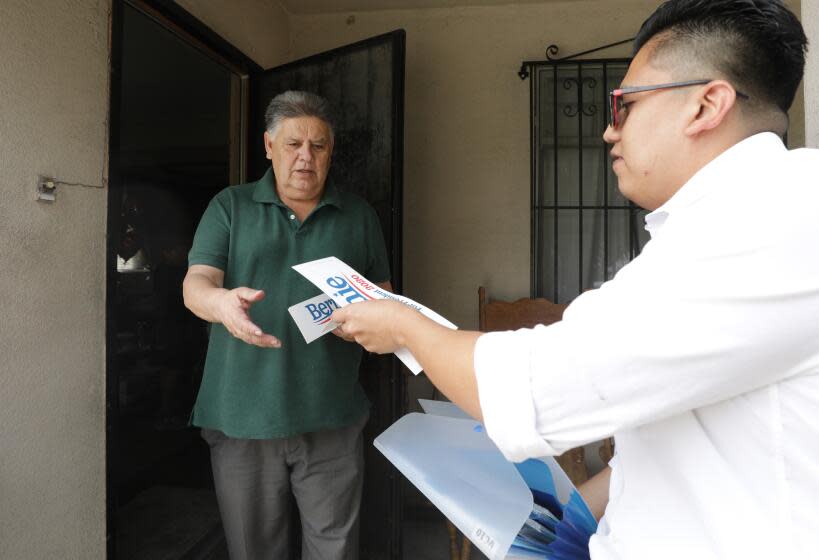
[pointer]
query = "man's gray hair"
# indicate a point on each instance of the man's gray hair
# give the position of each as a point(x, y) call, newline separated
point(293, 104)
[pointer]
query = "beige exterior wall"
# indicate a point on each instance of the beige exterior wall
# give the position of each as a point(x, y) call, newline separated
point(466, 180)
point(466, 151)
point(466, 214)
point(53, 121)
point(810, 19)
point(258, 28)
point(796, 132)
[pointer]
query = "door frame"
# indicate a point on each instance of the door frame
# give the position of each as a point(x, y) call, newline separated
point(184, 25)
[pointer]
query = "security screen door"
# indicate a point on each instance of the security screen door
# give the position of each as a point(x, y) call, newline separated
point(364, 83)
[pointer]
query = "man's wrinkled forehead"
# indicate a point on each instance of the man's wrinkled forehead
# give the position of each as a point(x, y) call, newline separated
point(305, 128)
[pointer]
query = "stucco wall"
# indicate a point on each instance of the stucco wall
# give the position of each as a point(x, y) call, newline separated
point(54, 57)
point(810, 19)
point(53, 120)
point(796, 131)
point(467, 189)
point(258, 28)
point(466, 178)
point(466, 220)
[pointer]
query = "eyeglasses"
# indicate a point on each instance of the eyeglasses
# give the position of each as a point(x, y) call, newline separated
point(617, 107)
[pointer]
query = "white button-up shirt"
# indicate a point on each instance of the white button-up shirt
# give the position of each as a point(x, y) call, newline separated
point(701, 357)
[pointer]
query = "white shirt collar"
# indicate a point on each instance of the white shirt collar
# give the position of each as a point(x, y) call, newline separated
point(712, 175)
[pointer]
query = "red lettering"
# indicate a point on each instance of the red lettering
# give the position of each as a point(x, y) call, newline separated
point(358, 280)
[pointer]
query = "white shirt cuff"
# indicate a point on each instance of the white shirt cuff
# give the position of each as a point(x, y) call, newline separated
point(503, 373)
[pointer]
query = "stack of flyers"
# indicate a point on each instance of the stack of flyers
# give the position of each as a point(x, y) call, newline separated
point(508, 510)
point(554, 530)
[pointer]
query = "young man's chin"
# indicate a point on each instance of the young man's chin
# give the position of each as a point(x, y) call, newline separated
point(626, 190)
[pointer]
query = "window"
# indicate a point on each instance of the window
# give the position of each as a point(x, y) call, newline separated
point(583, 229)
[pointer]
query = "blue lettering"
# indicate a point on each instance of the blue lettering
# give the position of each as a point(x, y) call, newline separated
point(321, 310)
point(352, 298)
point(314, 311)
point(336, 282)
point(356, 296)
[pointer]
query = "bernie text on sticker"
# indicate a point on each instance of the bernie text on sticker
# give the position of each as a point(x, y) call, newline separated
point(321, 312)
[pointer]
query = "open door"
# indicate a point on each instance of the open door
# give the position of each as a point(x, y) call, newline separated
point(364, 82)
point(170, 152)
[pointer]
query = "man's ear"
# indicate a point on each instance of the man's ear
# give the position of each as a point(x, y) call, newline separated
point(714, 101)
point(268, 145)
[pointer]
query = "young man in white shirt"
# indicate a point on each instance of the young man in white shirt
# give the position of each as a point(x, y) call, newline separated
point(701, 357)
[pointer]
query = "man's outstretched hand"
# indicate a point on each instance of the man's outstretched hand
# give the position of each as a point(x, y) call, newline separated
point(232, 312)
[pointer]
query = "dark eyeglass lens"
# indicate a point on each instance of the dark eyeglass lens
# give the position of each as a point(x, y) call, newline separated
point(618, 110)
point(615, 106)
point(611, 110)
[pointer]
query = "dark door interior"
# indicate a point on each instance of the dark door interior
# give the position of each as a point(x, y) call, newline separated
point(176, 115)
point(364, 82)
point(171, 151)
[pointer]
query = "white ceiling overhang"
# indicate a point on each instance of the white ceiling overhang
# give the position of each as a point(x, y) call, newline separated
point(336, 6)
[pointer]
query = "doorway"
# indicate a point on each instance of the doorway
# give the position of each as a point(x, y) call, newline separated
point(181, 102)
point(175, 120)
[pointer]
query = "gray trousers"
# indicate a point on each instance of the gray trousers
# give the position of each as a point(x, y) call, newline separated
point(255, 479)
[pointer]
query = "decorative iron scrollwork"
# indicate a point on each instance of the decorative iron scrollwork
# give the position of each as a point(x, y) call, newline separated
point(551, 54)
point(589, 81)
point(572, 110)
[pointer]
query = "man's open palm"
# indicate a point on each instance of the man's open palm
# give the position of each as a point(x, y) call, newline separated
point(234, 307)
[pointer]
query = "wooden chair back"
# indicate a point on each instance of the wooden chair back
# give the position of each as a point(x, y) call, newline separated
point(526, 313)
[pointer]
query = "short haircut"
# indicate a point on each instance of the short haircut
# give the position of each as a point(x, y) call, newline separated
point(294, 104)
point(757, 45)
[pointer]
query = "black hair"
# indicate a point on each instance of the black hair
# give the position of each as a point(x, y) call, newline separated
point(757, 45)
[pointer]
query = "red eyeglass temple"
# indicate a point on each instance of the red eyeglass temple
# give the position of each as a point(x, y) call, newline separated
point(615, 118)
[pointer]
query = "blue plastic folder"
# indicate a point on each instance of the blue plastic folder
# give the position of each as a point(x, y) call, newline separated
point(508, 510)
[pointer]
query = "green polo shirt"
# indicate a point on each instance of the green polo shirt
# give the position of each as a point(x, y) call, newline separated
point(255, 393)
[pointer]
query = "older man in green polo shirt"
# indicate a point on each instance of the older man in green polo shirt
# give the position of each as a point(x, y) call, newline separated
point(282, 418)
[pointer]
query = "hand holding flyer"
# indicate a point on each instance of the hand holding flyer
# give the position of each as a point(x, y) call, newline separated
point(343, 285)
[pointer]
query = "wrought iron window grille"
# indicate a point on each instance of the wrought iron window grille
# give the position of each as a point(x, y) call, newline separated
point(553, 50)
point(583, 229)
